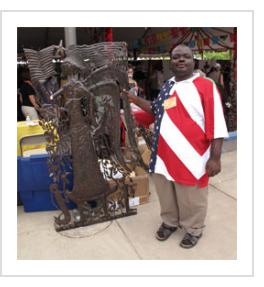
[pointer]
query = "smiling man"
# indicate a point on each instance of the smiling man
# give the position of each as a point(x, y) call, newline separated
point(186, 149)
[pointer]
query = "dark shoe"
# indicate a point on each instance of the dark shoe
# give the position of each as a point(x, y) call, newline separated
point(165, 231)
point(189, 240)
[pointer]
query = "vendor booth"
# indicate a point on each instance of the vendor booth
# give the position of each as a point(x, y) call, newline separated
point(148, 51)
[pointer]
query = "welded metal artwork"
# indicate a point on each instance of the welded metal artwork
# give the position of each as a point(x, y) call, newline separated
point(81, 117)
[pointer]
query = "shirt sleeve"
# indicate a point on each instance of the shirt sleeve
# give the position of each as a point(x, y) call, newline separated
point(220, 129)
point(215, 125)
point(27, 90)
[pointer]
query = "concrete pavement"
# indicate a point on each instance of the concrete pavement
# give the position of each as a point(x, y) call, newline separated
point(133, 237)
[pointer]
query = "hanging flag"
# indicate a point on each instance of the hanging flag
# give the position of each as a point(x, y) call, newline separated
point(174, 32)
point(206, 41)
point(192, 44)
point(215, 40)
point(183, 30)
point(200, 43)
point(223, 37)
point(108, 35)
point(151, 40)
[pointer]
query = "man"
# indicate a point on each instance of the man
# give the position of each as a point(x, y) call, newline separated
point(186, 150)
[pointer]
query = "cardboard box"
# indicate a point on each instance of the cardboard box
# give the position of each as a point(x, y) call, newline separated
point(140, 179)
point(142, 188)
point(146, 158)
point(145, 154)
point(142, 193)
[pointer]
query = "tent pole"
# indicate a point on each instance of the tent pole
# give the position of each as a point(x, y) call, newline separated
point(70, 36)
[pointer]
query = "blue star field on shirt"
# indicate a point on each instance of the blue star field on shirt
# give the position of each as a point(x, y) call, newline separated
point(158, 110)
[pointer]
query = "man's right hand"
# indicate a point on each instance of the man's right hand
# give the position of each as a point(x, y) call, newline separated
point(140, 102)
point(131, 98)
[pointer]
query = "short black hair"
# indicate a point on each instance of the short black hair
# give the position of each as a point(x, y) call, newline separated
point(180, 45)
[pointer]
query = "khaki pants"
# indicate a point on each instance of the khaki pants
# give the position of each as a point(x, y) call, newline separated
point(181, 205)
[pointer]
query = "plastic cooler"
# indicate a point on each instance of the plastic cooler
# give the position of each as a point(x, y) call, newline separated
point(33, 184)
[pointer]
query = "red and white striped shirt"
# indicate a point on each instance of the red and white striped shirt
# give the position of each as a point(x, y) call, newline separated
point(187, 129)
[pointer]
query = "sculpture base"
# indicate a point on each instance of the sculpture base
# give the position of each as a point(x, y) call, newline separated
point(104, 209)
point(59, 228)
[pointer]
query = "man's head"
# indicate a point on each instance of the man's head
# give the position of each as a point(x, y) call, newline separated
point(217, 66)
point(182, 62)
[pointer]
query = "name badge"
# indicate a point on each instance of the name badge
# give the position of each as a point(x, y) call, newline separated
point(170, 103)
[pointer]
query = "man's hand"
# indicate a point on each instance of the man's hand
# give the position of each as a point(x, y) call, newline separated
point(213, 166)
point(131, 98)
point(140, 102)
point(37, 107)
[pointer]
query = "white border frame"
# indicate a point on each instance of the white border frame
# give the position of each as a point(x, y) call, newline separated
point(243, 266)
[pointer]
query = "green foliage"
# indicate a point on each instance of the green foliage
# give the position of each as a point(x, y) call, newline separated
point(213, 55)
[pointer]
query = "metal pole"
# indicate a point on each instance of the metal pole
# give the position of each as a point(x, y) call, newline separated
point(70, 36)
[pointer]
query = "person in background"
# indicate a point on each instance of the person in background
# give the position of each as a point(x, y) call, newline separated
point(186, 148)
point(140, 78)
point(29, 103)
point(132, 84)
point(216, 74)
point(20, 116)
point(156, 80)
point(206, 68)
point(197, 69)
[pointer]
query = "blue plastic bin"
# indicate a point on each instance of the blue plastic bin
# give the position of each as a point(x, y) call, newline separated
point(33, 184)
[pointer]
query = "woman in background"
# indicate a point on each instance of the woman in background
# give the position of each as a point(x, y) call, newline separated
point(29, 102)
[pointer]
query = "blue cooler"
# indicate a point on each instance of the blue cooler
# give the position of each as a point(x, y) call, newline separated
point(33, 184)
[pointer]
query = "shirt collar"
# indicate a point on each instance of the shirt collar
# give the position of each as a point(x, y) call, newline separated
point(189, 80)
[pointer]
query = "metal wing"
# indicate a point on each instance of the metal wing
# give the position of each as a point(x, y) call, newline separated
point(42, 72)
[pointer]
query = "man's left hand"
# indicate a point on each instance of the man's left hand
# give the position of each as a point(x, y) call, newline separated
point(213, 166)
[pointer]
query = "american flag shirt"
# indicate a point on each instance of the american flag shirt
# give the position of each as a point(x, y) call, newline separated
point(183, 131)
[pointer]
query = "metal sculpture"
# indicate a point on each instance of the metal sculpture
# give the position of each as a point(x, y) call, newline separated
point(81, 118)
